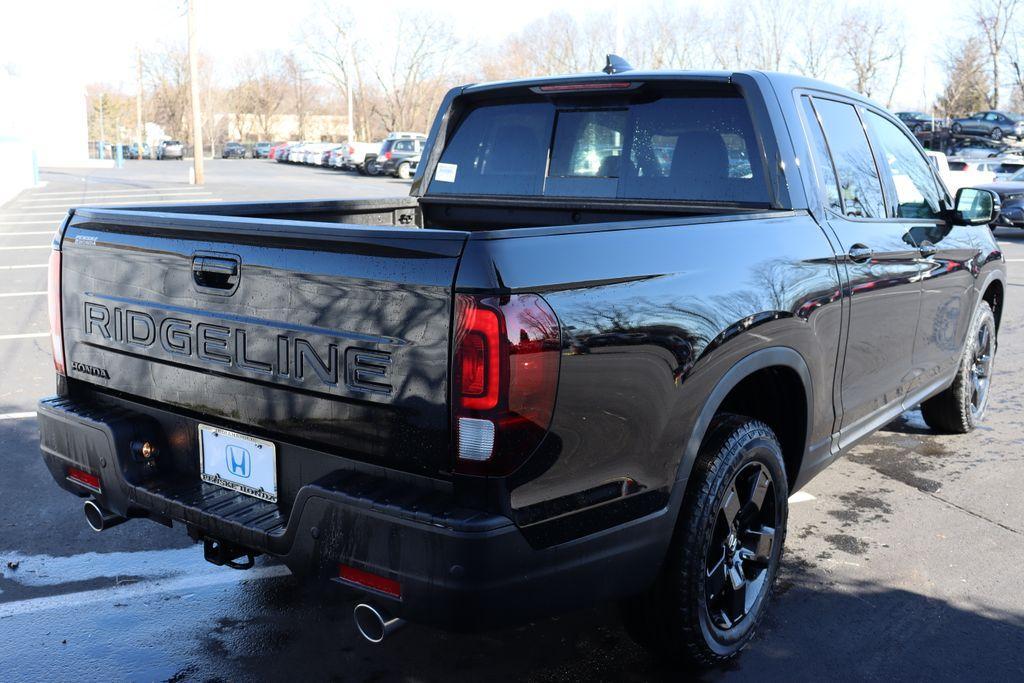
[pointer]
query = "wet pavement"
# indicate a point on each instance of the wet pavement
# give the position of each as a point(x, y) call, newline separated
point(906, 559)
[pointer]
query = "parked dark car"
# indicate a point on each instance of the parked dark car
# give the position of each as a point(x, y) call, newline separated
point(170, 149)
point(1011, 196)
point(233, 150)
point(261, 150)
point(395, 151)
point(617, 322)
point(918, 121)
point(993, 124)
point(132, 151)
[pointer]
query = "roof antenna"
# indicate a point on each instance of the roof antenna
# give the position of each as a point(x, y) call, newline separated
point(616, 64)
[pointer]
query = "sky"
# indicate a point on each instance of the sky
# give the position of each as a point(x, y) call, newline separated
point(88, 41)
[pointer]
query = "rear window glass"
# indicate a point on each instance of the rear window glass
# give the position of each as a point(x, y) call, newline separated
point(699, 147)
point(957, 166)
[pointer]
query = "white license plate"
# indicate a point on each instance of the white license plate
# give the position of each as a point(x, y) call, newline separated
point(238, 462)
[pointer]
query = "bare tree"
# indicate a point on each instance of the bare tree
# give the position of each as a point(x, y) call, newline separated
point(337, 48)
point(870, 44)
point(259, 93)
point(166, 70)
point(994, 19)
point(813, 38)
point(967, 82)
point(419, 71)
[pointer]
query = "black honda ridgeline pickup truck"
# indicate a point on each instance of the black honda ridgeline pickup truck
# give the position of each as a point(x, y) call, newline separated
point(618, 321)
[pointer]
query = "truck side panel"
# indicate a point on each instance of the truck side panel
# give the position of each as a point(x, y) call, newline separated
point(644, 341)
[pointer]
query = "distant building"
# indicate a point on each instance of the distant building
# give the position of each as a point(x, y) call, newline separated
point(248, 128)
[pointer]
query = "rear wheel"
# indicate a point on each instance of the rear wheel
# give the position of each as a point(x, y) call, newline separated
point(725, 554)
point(960, 408)
point(403, 171)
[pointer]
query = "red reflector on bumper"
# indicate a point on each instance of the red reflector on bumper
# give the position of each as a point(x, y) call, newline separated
point(87, 480)
point(368, 580)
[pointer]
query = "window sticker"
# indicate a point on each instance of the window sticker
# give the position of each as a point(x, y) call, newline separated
point(445, 173)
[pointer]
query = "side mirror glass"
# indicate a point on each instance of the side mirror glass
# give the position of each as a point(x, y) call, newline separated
point(976, 207)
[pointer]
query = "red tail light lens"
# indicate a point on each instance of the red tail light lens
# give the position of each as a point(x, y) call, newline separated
point(351, 150)
point(387, 156)
point(369, 580)
point(83, 478)
point(53, 307)
point(507, 355)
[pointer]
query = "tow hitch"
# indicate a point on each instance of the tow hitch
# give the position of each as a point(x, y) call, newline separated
point(225, 554)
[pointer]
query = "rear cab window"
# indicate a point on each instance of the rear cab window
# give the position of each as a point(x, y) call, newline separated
point(685, 143)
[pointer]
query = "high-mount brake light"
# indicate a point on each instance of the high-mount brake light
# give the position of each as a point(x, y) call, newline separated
point(54, 310)
point(507, 355)
point(587, 86)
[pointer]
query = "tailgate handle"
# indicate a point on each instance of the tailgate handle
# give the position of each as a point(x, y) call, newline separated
point(216, 274)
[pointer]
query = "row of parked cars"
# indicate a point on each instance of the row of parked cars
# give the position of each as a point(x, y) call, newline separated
point(991, 124)
point(397, 155)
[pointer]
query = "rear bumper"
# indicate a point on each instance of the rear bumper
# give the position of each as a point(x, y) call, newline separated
point(457, 568)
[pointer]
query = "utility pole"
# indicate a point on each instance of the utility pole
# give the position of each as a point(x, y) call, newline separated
point(193, 77)
point(140, 134)
point(103, 133)
point(348, 93)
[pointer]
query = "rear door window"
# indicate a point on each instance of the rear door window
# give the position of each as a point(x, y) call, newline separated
point(859, 184)
point(698, 147)
point(917, 193)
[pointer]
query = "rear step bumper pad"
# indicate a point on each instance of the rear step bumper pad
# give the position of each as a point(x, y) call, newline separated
point(457, 568)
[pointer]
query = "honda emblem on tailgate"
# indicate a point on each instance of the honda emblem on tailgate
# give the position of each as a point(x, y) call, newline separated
point(239, 461)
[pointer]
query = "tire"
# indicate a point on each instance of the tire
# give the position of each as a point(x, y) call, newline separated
point(996, 134)
point(961, 407)
point(372, 169)
point(402, 172)
point(956, 128)
point(361, 169)
point(685, 617)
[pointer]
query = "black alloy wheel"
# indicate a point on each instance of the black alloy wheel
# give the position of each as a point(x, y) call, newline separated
point(741, 547)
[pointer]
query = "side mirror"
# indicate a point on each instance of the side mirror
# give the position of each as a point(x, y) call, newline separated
point(976, 206)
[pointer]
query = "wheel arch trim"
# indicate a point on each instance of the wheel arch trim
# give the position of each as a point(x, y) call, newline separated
point(778, 356)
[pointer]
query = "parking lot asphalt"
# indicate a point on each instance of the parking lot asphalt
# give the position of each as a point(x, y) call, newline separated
point(904, 560)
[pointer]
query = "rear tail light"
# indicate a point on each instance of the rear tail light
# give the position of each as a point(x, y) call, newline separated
point(387, 156)
point(507, 355)
point(53, 307)
point(351, 151)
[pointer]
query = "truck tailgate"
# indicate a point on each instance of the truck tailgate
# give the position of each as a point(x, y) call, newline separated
point(335, 336)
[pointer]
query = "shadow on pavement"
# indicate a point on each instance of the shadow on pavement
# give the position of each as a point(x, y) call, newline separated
point(865, 631)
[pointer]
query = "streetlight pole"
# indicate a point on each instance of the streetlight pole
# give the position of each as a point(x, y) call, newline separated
point(193, 76)
point(139, 132)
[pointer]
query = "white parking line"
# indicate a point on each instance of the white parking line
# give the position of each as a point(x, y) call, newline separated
point(16, 416)
point(24, 234)
point(32, 214)
point(19, 248)
point(1015, 260)
point(26, 265)
point(27, 222)
point(10, 294)
point(27, 335)
point(87, 204)
point(119, 196)
point(151, 190)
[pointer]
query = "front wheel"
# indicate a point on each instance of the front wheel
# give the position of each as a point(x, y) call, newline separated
point(717, 580)
point(956, 128)
point(996, 134)
point(960, 408)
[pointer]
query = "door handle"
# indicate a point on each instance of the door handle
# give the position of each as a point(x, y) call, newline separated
point(859, 253)
point(928, 249)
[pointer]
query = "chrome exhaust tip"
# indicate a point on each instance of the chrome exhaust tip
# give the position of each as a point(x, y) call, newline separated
point(375, 624)
point(100, 519)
